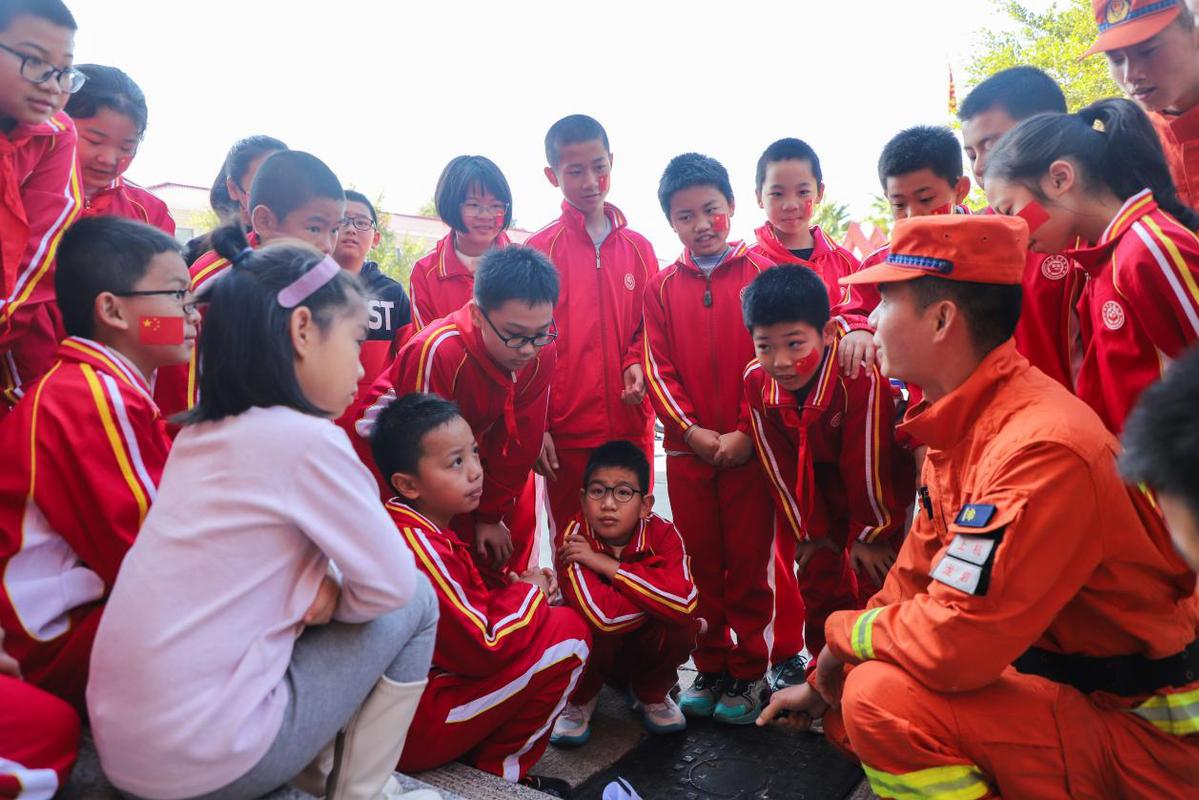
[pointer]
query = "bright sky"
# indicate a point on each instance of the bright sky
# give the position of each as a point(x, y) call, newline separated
point(387, 92)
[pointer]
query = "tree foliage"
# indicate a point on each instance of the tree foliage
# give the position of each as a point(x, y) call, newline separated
point(833, 218)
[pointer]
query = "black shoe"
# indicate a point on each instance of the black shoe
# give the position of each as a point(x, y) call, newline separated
point(791, 672)
point(554, 787)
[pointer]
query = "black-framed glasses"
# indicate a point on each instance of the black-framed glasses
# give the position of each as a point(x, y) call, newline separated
point(517, 342)
point(187, 301)
point(35, 70)
point(363, 224)
point(622, 494)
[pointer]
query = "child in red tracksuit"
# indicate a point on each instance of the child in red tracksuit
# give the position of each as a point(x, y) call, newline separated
point(626, 571)
point(604, 268)
point(85, 448)
point(473, 198)
point(696, 347)
point(505, 661)
point(827, 443)
point(494, 358)
point(1140, 307)
point(110, 116)
point(40, 193)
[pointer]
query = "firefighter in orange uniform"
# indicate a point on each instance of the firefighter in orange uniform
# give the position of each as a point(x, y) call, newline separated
point(1037, 636)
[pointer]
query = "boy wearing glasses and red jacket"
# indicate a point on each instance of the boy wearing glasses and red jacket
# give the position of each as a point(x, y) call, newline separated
point(494, 358)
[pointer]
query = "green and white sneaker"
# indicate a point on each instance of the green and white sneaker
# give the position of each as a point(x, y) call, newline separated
point(700, 700)
point(741, 702)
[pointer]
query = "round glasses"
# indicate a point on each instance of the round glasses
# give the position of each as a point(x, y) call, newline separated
point(358, 223)
point(35, 70)
point(622, 493)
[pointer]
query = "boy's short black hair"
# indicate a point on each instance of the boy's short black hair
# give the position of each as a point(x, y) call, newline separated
point(572, 130)
point(53, 11)
point(931, 147)
point(692, 169)
point(788, 150)
point(787, 293)
point(622, 454)
point(992, 310)
point(354, 196)
point(1161, 436)
point(108, 87)
point(400, 427)
point(102, 254)
point(515, 272)
point(1020, 91)
point(462, 174)
point(290, 178)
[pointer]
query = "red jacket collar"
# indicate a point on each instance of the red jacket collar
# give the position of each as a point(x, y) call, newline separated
point(404, 514)
point(638, 542)
point(573, 218)
point(817, 399)
point(57, 125)
point(448, 263)
point(736, 250)
point(78, 350)
point(1094, 259)
point(774, 248)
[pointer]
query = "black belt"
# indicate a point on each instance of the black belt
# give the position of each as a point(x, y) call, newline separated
point(1128, 676)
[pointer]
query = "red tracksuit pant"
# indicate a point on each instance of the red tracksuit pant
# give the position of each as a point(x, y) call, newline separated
point(563, 493)
point(1021, 737)
point(726, 519)
point(39, 738)
point(500, 723)
point(646, 660)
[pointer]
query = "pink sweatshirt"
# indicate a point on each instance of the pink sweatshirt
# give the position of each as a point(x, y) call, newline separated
point(186, 692)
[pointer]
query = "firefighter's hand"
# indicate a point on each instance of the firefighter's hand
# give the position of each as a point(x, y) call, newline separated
point(857, 350)
point(793, 707)
point(493, 543)
point(872, 559)
point(829, 679)
point(547, 461)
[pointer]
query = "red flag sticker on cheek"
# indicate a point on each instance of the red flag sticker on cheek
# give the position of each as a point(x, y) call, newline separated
point(160, 331)
point(939, 210)
point(604, 182)
point(499, 221)
point(809, 362)
point(1034, 214)
point(808, 206)
point(720, 223)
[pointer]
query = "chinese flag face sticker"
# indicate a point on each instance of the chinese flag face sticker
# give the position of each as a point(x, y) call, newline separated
point(809, 362)
point(720, 223)
point(604, 182)
point(1034, 214)
point(806, 208)
point(939, 210)
point(164, 331)
point(499, 221)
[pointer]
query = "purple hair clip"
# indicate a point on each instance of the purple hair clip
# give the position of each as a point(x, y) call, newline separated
point(303, 287)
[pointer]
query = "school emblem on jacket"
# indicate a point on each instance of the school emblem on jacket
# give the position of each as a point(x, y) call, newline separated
point(1117, 11)
point(630, 282)
point(1055, 267)
point(835, 422)
point(1113, 315)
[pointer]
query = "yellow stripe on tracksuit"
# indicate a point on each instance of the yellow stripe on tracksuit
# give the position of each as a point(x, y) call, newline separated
point(116, 442)
point(956, 782)
point(598, 623)
point(663, 394)
point(1176, 714)
point(423, 365)
point(657, 597)
point(1132, 210)
point(1180, 263)
point(861, 636)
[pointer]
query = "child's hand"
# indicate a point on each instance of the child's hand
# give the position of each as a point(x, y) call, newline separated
point(634, 385)
point(321, 610)
point(537, 577)
point(735, 448)
point(806, 549)
point(705, 443)
point(857, 350)
point(872, 559)
point(547, 462)
point(794, 707)
point(493, 543)
point(553, 593)
point(574, 550)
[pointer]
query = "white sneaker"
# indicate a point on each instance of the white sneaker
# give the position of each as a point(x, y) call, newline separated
point(573, 726)
point(664, 717)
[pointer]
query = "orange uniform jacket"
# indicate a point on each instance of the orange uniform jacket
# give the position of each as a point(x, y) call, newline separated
point(599, 319)
point(84, 453)
point(652, 583)
point(1025, 535)
point(1140, 308)
point(123, 198)
point(440, 283)
point(506, 411)
point(694, 353)
point(832, 461)
point(1179, 135)
point(828, 260)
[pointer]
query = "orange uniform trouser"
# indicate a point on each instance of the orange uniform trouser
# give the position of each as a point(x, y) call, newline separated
point(563, 493)
point(39, 738)
point(646, 659)
point(726, 519)
point(500, 723)
point(1020, 737)
point(27, 347)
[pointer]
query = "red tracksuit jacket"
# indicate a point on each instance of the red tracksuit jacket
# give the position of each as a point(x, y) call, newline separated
point(85, 451)
point(653, 582)
point(440, 283)
point(829, 260)
point(1140, 307)
point(40, 195)
point(694, 353)
point(481, 630)
point(599, 319)
point(123, 198)
point(507, 412)
point(832, 460)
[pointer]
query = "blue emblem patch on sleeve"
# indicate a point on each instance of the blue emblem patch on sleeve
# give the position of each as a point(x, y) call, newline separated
point(975, 515)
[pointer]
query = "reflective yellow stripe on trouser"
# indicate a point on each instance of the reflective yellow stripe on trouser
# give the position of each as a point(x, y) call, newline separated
point(957, 782)
point(1172, 713)
point(861, 637)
